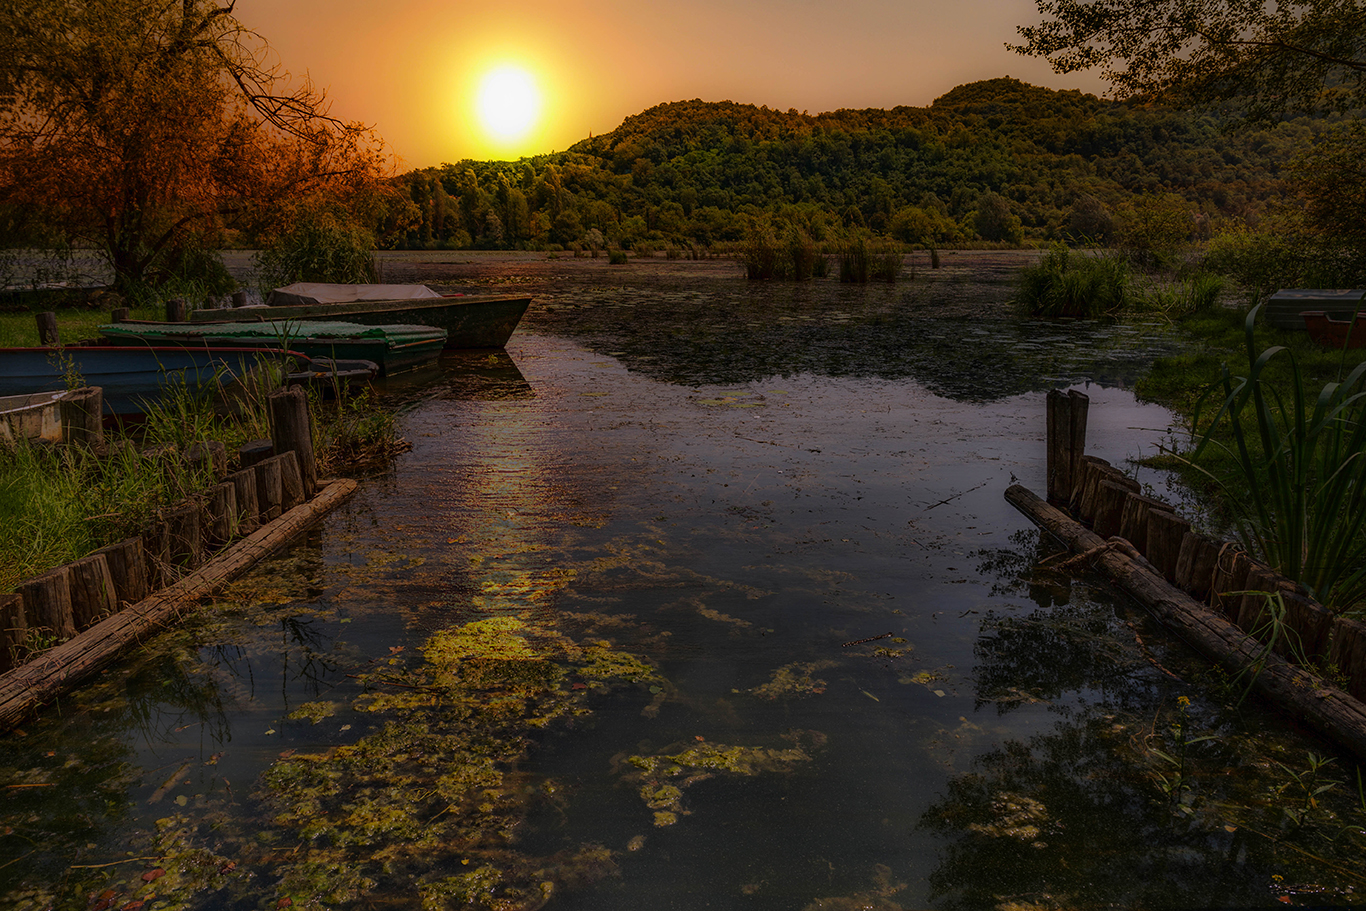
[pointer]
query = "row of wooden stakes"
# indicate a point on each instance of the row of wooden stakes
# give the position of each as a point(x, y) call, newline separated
point(1218, 573)
point(55, 606)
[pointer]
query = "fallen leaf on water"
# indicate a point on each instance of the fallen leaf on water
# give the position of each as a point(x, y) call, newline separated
point(153, 875)
point(870, 695)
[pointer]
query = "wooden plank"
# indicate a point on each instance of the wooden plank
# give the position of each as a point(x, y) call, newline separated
point(1303, 695)
point(24, 689)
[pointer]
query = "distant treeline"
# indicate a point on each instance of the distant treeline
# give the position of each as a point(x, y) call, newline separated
point(997, 161)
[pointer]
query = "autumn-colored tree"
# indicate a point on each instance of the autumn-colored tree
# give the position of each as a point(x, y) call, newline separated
point(144, 128)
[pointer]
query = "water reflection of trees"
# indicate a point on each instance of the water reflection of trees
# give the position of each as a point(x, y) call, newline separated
point(742, 334)
point(1067, 821)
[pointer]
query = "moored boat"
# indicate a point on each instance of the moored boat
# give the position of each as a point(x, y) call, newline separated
point(470, 322)
point(134, 377)
point(1331, 332)
point(395, 348)
point(31, 416)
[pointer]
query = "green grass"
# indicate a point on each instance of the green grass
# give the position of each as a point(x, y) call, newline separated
point(1278, 431)
point(1068, 284)
point(20, 330)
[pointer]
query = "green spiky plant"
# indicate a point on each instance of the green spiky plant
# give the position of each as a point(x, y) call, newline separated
point(1301, 462)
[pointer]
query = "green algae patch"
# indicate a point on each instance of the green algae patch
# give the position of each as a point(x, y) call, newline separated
point(661, 778)
point(314, 711)
point(797, 679)
point(429, 806)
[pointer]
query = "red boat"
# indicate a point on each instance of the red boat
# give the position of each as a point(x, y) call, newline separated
point(1335, 333)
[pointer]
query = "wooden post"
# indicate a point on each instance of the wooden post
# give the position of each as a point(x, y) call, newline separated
point(1310, 627)
point(292, 431)
point(291, 481)
point(1348, 653)
point(119, 314)
point(156, 549)
point(1250, 610)
point(13, 631)
point(248, 508)
point(1111, 496)
point(47, 604)
point(1230, 575)
point(210, 455)
point(1066, 442)
point(128, 568)
point(239, 298)
point(93, 596)
point(1087, 469)
point(185, 536)
point(1195, 564)
point(176, 311)
point(47, 329)
point(1133, 522)
point(269, 489)
point(1166, 533)
point(220, 514)
point(83, 416)
point(249, 454)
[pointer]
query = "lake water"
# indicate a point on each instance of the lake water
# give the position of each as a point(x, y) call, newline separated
point(702, 595)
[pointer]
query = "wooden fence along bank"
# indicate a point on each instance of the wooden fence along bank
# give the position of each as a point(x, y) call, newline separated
point(98, 606)
point(1211, 593)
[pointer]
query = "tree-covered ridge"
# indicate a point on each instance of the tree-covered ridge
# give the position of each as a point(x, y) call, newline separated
point(998, 160)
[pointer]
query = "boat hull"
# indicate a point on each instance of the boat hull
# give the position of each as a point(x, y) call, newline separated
point(31, 416)
point(1335, 333)
point(131, 376)
point(402, 348)
point(470, 322)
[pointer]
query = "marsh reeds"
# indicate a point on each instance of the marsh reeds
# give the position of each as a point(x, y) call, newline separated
point(1299, 458)
point(1068, 284)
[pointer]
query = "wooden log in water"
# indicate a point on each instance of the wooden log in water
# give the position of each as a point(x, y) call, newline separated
point(47, 604)
point(248, 509)
point(47, 329)
point(24, 689)
point(270, 494)
point(250, 454)
point(292, 431)
point(13, 630)
point(1303, 695)
point(220, 514)
point(93, 595)
point(1166, 533)
point(1195, 564)
point(83, 416)
point(128, 568)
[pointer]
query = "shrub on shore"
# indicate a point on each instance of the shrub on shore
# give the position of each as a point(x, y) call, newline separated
point(1068, 284)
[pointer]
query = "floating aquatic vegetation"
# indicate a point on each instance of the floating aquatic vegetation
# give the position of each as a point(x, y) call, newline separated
point(314, 711)
point(879, 898)
point(436, 789)
point(661, 778)
point(794, 680)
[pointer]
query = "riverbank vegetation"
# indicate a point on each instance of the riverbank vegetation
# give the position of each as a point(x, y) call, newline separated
point(59, 503)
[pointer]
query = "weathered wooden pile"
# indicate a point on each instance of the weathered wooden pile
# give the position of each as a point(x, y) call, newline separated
point(1211, 592)
point(274, 477)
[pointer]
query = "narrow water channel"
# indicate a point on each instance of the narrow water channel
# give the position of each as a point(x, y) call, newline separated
point(691, 601)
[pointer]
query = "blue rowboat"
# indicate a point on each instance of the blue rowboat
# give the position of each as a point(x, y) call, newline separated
point(134, 376)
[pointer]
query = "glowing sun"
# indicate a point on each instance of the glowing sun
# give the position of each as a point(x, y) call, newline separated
point(509, 103)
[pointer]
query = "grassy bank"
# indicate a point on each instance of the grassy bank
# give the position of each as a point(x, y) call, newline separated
point(59, 503)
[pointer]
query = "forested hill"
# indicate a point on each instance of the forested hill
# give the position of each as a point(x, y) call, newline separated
point(997, 160)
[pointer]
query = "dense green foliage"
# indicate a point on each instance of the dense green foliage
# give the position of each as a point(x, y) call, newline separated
point(1064, 283)
point(995, 161)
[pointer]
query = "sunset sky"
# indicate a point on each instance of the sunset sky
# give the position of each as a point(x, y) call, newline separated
point(413, 68)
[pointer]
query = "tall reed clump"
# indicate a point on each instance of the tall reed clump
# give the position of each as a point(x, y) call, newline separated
point(1191, 297)
point(793, 258)
point(855, 262)
point(1065, 284)
point(1301, 461)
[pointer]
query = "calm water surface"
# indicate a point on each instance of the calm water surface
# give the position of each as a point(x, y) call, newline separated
point(765, 635)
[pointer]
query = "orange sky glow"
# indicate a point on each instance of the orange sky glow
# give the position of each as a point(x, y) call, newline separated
point(412, 68)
